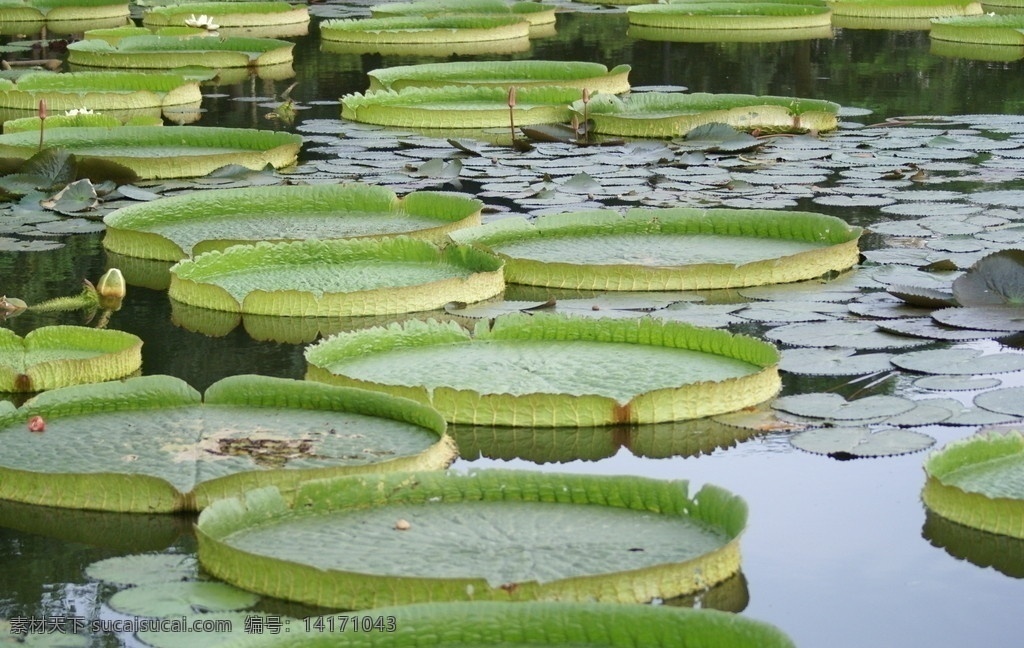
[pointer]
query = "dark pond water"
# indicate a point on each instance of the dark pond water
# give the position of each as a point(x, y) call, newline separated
point(837, 554)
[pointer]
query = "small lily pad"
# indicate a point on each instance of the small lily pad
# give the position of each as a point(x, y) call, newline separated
point(1008, 400)
point(856, 335)
point(858, 442)
point(144, 569)
point(181, 599)
point(955, 383)
point(833, 362)
point(959, 362)
point(991, 318)
point(834, 406)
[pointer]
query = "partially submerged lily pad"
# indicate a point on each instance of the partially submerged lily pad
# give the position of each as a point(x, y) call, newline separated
point(152, 445)
point(58, 356)
point(176, 227)
point(164, 152)
point(339, 277)
point(977, 482)
point(488, 535)
point(668, 249)
point(671, 114)
point(550, 370)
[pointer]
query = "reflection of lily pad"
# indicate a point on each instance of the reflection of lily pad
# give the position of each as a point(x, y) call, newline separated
point(173, 228)
point(58, 356)
point(978, 482)
point(668, 249)
point(164, 151)
point(150, 445)
point(489, 535)
point(336, 278)
point(550, 370)
point(1002, 553)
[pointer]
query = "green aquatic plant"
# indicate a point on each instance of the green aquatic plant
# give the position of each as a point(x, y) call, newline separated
point(547, 370)
point(153, 445)
point(167, 52)
point(424, 30)
point(503, 74)
point(990, 29)
point(729, 15)
point(388, 530)
point(536, 13)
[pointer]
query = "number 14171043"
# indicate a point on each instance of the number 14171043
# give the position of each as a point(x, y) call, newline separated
point(350, 623)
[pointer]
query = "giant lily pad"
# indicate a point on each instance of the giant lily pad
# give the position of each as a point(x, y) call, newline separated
point(526, 623)
point(164, 152)
point(166, 52)
point(60, 16)
point(574, 74)
point(151, 444)
point(671, 114)
point(730, 15)
point(176, 227)
point(989, 29)
point(57, 356)
point(228, 14)
point(905, 9)
point(459, 107)
point(978, 482)
point(489, 535)
point(668, 249)
point(98, 91)
point(425, 30)
point(550, 370)
point(338, 277)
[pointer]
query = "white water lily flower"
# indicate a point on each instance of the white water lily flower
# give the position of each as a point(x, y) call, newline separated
point(202, 21)
point(79, 111)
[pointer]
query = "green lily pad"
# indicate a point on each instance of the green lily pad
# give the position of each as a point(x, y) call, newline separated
point(227, 15)
point(336, 278)
point(526, 623)
point(1006, 400)
point(164, 152)
point(833, 362)
point(991, 318)
point(667, 249)
point(488, 535)
point(428, 30)
point(849, 334)
point(860, 442)
point(168, 52)
point(549, 370)
point(58, 356)
point(958, 362)
point(535, 13)
point(144, 569)
point(173, 228)
point(978, 482)
point(995, 280)
point(577, 74)
point(926, 327)
point(672, 114)
point(179, 599)
point(989, 29)
point(955, 383)
point(98, 91)
point(150, 445)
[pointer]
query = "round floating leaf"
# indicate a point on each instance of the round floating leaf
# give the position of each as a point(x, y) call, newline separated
point(550, 370)
point(336, 278)
point(163, 152)
point(992, 318)
point(926, 327)
point(142, 569)
point(425, 30)
point(173, 228)
point(834, 406)
point(180, 599)
point(995, 280)
point(227, 15)
point(667, 249)
point(168, 52)
point(955, 383)
point(593, 76)
point(833, 362)
point(672, 114)
point(1007, 400)
point(855, 335)
point(858, 442)
point(959, 362)
point(489, 535)
point(978, 482)
point(150, 445)
point(58, 356)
